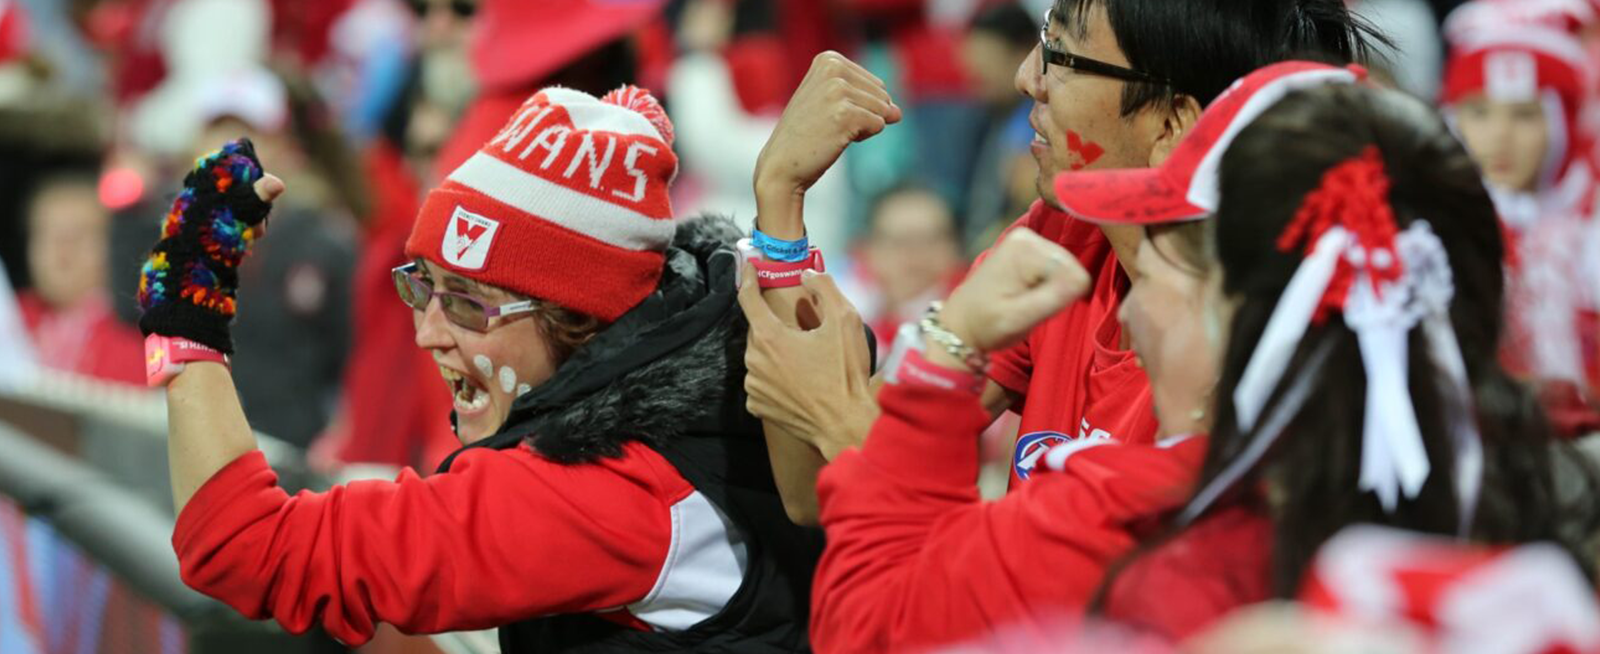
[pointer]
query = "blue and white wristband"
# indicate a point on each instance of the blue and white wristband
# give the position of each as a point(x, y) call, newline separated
point(777, 249)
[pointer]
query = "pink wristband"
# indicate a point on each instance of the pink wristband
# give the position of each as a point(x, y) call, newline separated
point(165, 357)
point(781, 274)
point(916, 369)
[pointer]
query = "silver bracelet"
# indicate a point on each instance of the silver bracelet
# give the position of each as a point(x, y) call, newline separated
point(952, 344)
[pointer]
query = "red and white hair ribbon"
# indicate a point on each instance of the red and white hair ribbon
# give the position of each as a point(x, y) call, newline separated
point(1385, 282)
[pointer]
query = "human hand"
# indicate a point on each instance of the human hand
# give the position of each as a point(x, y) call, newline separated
point(1026, 279)
point(814, 383)
point(188, 285)
point(838, 103)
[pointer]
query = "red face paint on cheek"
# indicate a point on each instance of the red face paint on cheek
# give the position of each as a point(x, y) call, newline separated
point(1088, 151)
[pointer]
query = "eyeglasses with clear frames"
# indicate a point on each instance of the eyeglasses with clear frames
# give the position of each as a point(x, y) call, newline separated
point(459, 308)
point(1049, 54)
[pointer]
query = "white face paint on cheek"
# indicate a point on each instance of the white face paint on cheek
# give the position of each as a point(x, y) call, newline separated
point(508, 378)
point(485, 366)
point(523, 389)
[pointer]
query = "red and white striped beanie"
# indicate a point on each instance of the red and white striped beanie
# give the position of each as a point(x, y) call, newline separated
point(1522, 63)
point(568, 203)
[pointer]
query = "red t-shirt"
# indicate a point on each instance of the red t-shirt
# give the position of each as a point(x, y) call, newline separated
point(916, 560)
point(1076, 381)
point(396, 411)
point(1204, 573)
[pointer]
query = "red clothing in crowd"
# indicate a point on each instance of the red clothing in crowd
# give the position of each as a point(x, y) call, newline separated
point(87, 339)
point(1087, 385)
point(504, 536)
point(396, 407)
point(14, 35)
point(929, 54)
point(915, 559)
point(1181, 587)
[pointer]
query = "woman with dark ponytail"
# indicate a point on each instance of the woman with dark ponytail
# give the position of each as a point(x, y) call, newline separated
point(1360, 262)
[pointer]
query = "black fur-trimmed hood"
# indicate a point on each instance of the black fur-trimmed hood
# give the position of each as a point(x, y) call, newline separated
point(671, 364)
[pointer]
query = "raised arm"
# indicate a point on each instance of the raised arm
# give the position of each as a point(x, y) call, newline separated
point(838, 103)
point(187, 293)
point(915, 560)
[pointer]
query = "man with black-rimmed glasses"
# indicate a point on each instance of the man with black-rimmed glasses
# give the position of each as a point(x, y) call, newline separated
point(1115, 84)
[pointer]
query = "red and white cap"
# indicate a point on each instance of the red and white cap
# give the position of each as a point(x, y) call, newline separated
point(568, 203)
point(1184, 187)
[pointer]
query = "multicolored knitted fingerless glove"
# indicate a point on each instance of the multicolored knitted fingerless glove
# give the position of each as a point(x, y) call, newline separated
point(188, 285)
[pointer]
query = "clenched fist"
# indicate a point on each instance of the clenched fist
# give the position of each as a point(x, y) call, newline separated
point(1023, 281)
point(838, 103)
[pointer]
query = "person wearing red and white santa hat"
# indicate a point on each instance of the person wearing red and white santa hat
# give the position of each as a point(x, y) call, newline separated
point(612, 494)
point(1514, 92)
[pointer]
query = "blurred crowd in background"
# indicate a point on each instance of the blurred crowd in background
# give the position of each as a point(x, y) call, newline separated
point(362, 105)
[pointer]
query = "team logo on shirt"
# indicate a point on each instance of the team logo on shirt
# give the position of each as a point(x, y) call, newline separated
point(1032, 447)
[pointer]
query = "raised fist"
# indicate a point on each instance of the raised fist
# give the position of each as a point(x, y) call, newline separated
point(188, 286)
point(1023, 281)
point(838, 103)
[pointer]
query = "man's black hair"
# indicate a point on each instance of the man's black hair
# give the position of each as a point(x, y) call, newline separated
point(1202, 46)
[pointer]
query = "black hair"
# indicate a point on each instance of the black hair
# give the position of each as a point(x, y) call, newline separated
point(1202, 46)
point(1008, 21)
point(1313, 467)
point(1194, 252)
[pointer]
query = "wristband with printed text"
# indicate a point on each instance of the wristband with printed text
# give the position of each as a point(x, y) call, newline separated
point(916, 369)
point(166, 356)
point(777, 249)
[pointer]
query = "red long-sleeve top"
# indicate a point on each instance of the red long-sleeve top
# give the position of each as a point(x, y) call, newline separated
point(505, 535)
point(916, 560)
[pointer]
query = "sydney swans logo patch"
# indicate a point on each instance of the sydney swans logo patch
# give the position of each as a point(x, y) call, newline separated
point(1031, 449)
point(467, 239)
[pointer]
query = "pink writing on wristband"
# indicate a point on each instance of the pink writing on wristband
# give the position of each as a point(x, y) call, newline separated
point(785, 274)
point(916, 369)
point(165, 356)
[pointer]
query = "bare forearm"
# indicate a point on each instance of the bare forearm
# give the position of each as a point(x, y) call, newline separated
point(206, 427)
point(795, 462)
point(795, 465)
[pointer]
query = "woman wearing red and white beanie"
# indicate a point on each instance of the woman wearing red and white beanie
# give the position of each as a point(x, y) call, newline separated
point(612, 494)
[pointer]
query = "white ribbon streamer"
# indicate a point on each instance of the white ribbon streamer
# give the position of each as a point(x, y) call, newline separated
point(1286, 409)
point(1426, 260)
point(1287, 326)
point(1394, 461)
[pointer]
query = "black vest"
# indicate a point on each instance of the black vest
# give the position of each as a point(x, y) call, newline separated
point(770, 610)
point(686, 339)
